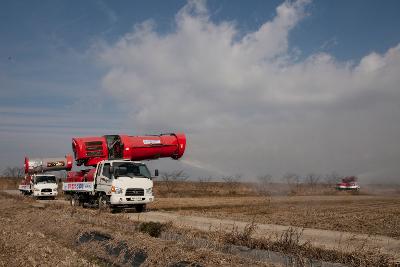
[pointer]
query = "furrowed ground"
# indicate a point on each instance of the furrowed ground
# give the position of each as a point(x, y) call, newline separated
point(373, 211)
point(377, 215)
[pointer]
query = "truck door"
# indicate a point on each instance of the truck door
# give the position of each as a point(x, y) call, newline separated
point(98, 169)
point(104, 178)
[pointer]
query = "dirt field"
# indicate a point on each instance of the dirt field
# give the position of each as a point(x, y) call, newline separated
point(51, 234)
point(377, 215)
point(371, 212)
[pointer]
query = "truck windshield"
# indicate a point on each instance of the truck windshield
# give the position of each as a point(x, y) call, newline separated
point(131, 169)
point(45, 179)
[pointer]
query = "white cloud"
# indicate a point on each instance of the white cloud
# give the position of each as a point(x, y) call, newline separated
point(248, 105)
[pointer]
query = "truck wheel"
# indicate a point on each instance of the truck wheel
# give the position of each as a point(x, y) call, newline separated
point(115, 210)
point(140, 207)
point(74, 201)
point(103, 203)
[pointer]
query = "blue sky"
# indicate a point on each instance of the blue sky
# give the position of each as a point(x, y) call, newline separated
point(358, 26)
point(48, 43)
point(56, 60)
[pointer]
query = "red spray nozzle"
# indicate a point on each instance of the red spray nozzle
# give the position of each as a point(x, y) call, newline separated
point(89, 151)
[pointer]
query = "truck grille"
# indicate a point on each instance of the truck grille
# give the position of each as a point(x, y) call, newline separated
point(46, 190)
point(134, 192)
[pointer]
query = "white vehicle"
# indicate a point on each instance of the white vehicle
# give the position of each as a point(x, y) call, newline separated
point(37, 182)
point(41, 186)
point(25, 189)
point(113, 183)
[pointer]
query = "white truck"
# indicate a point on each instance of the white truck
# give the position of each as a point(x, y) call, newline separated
point(40, 186)
point(38, 182)
point(113, 184)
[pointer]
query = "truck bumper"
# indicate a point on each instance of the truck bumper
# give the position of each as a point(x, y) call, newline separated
point(45, 194)
point(128, 200)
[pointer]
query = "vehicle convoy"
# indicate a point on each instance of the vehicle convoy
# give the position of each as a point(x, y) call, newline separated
point(118, 179)
point(348, 183)
point(37, 182)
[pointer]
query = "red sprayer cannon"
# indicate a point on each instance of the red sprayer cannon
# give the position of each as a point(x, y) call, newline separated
point(37, 182)
point(119, 179)
point(89, 151)
point(38, 165)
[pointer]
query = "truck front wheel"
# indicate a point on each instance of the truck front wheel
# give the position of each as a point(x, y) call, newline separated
point(140, 207)
point(103, 202)
point(74, 201)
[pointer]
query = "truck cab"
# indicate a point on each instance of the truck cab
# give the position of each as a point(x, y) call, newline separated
point(44, 185)
point(124, 183)
point(113, 183)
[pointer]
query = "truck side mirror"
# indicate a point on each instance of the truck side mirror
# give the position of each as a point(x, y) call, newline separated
point(156, 172)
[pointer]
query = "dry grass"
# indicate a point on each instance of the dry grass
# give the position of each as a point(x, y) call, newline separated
point(240, 189)
point(342, 211)
point(7, 183)
point(289, 243)
point(65, 227)
point(53, 234)
point(236, 189)
point(201, 189)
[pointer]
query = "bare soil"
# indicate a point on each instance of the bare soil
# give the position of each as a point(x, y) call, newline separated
point(327, 239)
point(52, 234)
point(365, 214)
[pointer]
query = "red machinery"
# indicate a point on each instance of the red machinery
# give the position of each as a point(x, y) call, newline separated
point(81, 176)
point(89, 151)
point(41, 165)
point(38, 165)
point(348, 183)
point(26, 181)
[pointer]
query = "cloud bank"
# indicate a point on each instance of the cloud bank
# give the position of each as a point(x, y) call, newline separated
point(249, 105)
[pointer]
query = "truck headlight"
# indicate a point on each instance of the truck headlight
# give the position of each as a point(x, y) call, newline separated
point(149, 191)
point(116, 190)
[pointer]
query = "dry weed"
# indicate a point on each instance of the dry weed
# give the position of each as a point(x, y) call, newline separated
point(65, 236)
point(289, 242)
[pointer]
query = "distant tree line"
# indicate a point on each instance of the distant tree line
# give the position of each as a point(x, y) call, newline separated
point(19, 172)
point(13, 172)
point(289, 178)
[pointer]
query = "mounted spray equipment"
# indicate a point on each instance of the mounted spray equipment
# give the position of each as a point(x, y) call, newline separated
point(39, 184)
point(89, 151)
point(40, 165)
